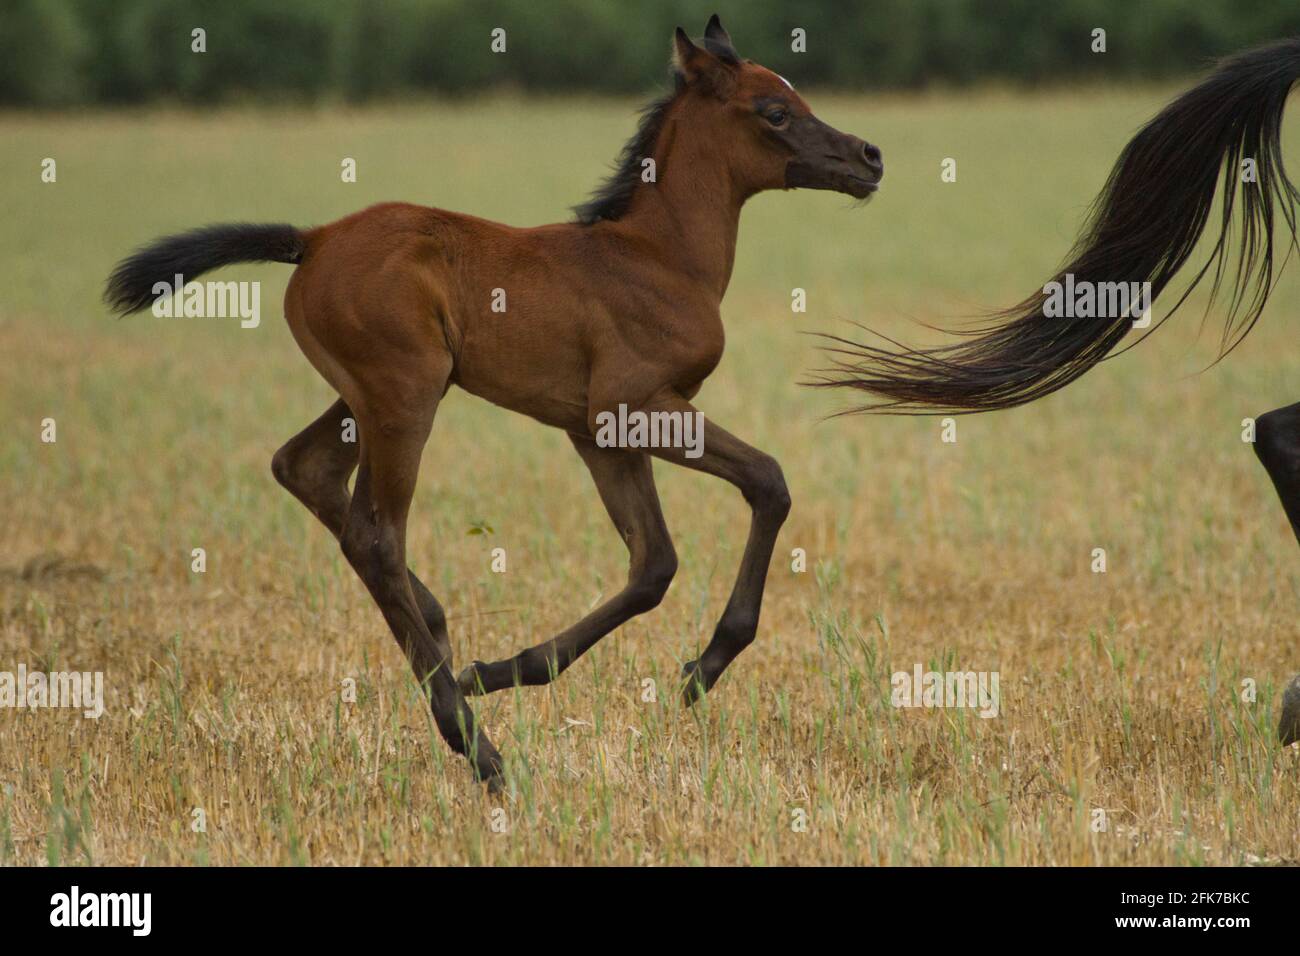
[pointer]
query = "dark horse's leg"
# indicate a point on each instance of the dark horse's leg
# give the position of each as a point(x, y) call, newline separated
point(315, 466)
point(625, 481)
point(1277, 443)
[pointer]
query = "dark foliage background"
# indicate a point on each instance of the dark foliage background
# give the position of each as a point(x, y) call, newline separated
point(69, 52)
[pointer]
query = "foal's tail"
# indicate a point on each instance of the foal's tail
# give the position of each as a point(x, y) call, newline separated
point(131, 287)
point(1142, 228)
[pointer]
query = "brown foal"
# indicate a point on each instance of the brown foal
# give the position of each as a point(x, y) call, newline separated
point(397, 303)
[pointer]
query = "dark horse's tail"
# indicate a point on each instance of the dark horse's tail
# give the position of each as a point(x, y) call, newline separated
point(1142, 228)
point(131, 287)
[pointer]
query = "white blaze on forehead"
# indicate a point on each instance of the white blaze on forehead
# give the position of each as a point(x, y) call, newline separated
point(788, 84)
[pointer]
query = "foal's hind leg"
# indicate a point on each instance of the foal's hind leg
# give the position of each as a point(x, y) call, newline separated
point(1277, 443)
point(625, 481)
point(315, 466)
point(374, 542)
point(371, 528)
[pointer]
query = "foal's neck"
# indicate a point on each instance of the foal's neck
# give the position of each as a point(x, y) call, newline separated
point(690, 215)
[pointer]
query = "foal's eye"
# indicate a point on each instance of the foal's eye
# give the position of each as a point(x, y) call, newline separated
point(775, 117)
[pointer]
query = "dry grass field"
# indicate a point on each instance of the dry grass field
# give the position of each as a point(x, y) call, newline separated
point(1121, 691)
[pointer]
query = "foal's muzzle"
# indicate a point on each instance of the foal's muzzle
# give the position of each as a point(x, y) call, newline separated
point(825, 158)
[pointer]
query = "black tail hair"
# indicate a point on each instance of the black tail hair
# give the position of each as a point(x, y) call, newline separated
point(1142, 228)
point(190, 254)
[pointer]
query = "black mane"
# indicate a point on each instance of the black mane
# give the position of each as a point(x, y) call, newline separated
point(612, 197)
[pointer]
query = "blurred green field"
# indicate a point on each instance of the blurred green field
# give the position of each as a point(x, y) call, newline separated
point(1120, 691)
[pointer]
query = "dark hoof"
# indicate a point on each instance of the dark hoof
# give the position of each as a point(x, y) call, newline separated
point(490, 771)
point(471, 684)
point(1288, 729)
point(695, 687)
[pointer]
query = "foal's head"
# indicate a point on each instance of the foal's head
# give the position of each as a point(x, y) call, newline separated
point(770, 134)
point(753, 120)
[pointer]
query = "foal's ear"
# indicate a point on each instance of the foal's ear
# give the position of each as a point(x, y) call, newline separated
point(717, 42)
point(700, 67)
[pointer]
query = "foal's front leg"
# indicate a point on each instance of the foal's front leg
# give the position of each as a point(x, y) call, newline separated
point(759, 478)
point(625, 481)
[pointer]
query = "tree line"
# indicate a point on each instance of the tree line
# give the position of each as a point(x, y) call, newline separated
point(85, 52)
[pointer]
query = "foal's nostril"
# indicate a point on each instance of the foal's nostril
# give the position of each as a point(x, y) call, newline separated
point(872, 155)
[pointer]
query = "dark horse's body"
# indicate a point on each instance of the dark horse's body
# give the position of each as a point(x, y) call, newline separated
point(563, 323)
point(1144, 226)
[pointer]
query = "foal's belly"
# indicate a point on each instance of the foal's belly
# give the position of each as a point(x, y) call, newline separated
point(533, 369)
